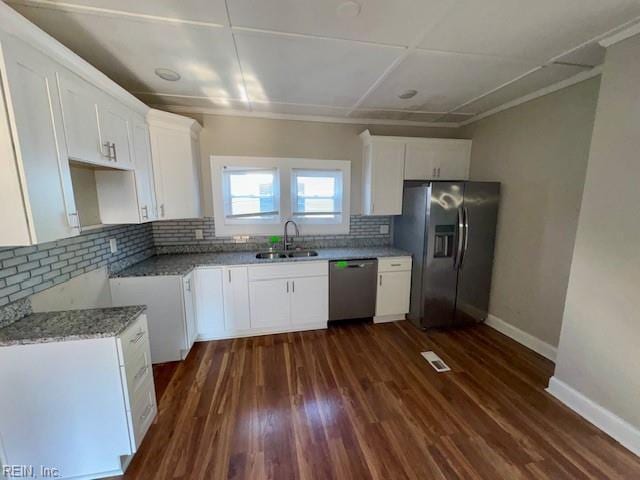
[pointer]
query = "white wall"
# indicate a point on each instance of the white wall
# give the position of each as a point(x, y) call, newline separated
point(539, 152)
point(224, 135)
point(599, 353)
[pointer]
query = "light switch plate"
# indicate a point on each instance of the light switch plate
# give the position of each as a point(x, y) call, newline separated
point(384, 229)
point(113, 245)
point(199, 234)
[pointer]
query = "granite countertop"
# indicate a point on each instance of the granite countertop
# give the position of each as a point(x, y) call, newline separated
point(181, 264)
point(69, 325)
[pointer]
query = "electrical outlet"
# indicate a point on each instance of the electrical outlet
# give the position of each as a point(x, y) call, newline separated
point(384, 229)
point(113, 245)
point(199, 234)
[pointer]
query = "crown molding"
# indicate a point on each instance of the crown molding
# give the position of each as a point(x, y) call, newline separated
point(620, 36)
point(170, 120)
point(301, 118)
point(580, 77)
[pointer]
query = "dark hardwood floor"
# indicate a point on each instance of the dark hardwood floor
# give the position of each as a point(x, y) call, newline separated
point(358, 402)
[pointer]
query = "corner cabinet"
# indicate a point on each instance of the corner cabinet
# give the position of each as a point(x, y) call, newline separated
point(36, 194)
point(389, 161)
point(176, 159)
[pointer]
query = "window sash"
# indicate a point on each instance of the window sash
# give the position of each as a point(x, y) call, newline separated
point(252, 216)
point(314, 215)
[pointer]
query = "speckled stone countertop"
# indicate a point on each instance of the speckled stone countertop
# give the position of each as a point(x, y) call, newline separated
point(181, 264)
point(69, 325)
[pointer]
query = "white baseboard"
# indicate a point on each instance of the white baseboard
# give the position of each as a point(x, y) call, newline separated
point(255, 332)
point(608, 422)
point(545, 349)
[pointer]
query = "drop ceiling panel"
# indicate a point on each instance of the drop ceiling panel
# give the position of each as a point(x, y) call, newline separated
point(197, 102)
point(443, 81)
point(395, 22)
point(535, 81)
point(537, 29)
point(129, 50)
point(292, 69)
point(194, 10)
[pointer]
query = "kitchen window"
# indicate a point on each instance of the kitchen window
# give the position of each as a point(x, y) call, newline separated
point(251, 196)
point(316, 196)
point(257, 195)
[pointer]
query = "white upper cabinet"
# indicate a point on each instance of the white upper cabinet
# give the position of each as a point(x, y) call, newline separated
point(36, 195)
point(389, 161)
point(176, 159)
point(382, 175)
point(144, 172)
point(115, 126)
point(437, 159)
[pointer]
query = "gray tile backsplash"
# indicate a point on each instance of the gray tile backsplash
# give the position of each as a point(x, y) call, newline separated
point(28, 270)
point(178, 236)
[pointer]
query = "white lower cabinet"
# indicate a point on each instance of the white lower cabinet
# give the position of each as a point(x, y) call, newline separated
point(169, 301)
point(237, 316)
point(289, 296)
point(394, 288)
point(269, 303)
point(191, 329)
point(91, 402)
point(209, 303)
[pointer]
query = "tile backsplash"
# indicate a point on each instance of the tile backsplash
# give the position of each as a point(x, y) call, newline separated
point(28, 270)
point(178, 236)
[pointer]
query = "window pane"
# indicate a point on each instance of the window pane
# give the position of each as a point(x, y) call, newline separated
point(250, 192)
point(318, 192)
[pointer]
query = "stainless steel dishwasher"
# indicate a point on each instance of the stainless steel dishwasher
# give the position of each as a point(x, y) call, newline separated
point(352, 288)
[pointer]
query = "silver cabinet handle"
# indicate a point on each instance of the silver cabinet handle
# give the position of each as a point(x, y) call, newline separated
point(107, 145)
point(229, 271)
point(146, 413)
point(145, 212)
point(287, 287)
point(293, 283)
point(188, 285)
point(380, 279)
point(141, 372)
point(438, 169)
point(396, 265)
point(138, 337)
point(162, 210)
point(115, 154)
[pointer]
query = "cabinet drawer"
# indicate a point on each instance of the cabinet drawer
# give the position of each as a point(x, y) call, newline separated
point(143, 411)
point(394, 264)
point(133, 339)
point(136, 370)
point(288, 270)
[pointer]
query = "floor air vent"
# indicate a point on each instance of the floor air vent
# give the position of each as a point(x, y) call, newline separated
point(435, 361)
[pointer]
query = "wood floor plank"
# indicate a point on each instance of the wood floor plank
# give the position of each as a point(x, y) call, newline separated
point(358, 401)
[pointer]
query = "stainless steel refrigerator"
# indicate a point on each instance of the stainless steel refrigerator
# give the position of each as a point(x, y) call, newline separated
point(449, 228)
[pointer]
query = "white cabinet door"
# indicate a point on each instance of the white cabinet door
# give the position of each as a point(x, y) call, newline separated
point(269, 303)
point(33, 109)
point(393, 293)
point(191, 331)
point(237, 315)
point(114, 132)
point(79, 108)
point(455, 158)
point(177, 180)
point(384, 172)
point(210, 302)
point(309, 300)
point(421, 162)
point(144, 172)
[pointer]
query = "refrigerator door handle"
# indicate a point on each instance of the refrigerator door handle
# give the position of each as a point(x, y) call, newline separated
point(457, 261)
point(466, 236)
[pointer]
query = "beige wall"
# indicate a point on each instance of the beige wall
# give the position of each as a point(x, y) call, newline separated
point(538, 151)
point(599, 353)
point(224, 135)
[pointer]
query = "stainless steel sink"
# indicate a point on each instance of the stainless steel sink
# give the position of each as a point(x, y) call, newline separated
point(302, 253)
point(270, 255)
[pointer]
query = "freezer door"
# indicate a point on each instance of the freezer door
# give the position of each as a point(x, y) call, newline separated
point(440, 274)
point(409, 234)
point(480, 208)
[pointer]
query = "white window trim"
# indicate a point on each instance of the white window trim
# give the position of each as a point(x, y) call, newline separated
point(283, 167)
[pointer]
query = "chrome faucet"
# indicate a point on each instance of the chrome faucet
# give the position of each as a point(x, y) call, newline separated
point(287, 242)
